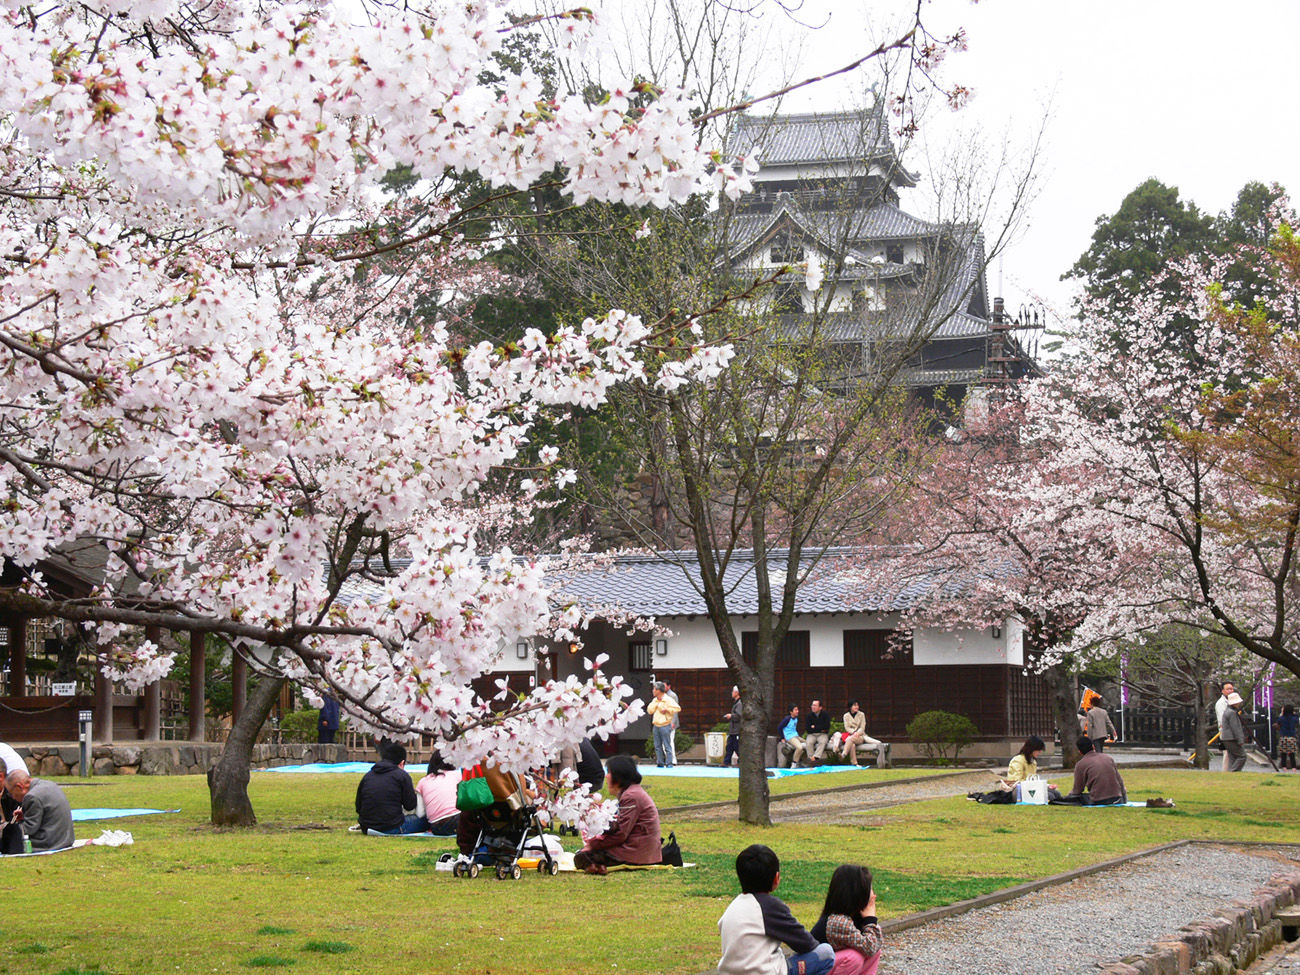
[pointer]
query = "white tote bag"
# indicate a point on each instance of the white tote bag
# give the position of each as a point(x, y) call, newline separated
point(1033, 791)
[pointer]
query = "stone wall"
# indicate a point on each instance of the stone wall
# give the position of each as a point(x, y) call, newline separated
point(1225, 944)
point(166, 758)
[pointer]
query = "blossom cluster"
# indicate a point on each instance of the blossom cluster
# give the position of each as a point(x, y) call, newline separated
point(211, 370)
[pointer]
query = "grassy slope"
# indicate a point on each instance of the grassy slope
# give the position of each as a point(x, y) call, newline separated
point(285, 895)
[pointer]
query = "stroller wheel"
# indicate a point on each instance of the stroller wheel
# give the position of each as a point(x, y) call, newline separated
point(516, 872)
point(473, 869)
point(553, 868)
point(457, 869)
point(501, 871)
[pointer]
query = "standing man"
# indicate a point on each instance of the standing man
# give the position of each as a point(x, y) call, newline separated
point(1100, 728)
point(661, 711)
point(819, 733)
point(677, 719)
point(733, 717)
point(45, 813)
point(1220, 706)
point(1233, 734)
point(328, 725)
point(792, 746)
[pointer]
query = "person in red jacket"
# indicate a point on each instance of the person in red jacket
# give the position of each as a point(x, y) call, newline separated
point(634, 835)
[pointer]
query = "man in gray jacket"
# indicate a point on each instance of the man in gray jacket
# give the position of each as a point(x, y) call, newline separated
point(1233, 733)
point(733, 719)
point(46, 814)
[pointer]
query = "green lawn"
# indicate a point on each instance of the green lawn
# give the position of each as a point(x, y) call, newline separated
point(293, 895)
point(669, 792)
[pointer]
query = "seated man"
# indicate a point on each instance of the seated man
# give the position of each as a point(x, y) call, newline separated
point(386, 799)
point(819, 733)
point(791, 748)
point(1097, 781)
point(45, 814)
point(11, 826)
point(633, 837)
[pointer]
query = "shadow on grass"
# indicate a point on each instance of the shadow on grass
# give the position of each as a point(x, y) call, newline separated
point(269, 961)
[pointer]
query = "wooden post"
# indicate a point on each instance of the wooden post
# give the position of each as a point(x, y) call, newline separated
point(18, 627)
point(238, 683)
point(198, 696)
point(102, 731)
point(153, 694)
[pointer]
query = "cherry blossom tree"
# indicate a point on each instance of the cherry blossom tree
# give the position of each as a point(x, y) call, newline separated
point(1197, 443)
point(996, 532)
point(209, 369)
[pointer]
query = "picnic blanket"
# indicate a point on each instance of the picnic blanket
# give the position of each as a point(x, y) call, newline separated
point(86, 815)
point(678, 771)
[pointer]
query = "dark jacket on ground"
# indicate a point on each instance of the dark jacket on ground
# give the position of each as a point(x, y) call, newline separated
point(1097, 775)
point(819, 722)
point(383, 795)
point(47, 817)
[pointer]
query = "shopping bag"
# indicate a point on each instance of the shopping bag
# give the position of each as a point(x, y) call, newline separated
point(1034, 791)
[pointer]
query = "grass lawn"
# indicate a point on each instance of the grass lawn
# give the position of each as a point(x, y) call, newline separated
point(670, 791)
point(290, 894)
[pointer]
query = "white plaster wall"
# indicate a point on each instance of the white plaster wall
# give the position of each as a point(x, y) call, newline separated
point(1015, 631)
point(931, 647)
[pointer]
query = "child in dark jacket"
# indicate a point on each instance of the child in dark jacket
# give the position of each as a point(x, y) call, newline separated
point(756, 924)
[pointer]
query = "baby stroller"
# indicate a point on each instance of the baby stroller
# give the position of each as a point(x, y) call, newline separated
point(509, 822)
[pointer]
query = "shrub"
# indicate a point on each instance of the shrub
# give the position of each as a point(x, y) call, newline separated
point(300, 726)
point(681, 741)
point(937, 732)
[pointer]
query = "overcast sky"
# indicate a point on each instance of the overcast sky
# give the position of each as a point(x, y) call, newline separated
point(1196, 93)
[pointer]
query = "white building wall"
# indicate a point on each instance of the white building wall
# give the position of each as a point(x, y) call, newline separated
point(935, 647)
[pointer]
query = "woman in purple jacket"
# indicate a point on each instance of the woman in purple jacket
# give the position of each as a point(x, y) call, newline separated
point(634, 835)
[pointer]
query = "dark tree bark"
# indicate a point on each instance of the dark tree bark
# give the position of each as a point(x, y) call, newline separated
point(754, 795)
point(1065, 711)
point(228, 779)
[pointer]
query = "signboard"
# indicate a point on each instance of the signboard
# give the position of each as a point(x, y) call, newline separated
point(64, 690)
point(84, 717)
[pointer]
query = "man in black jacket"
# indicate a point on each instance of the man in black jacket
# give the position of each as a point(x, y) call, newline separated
point(385, 796)
point(819, 733)
point(733, 719)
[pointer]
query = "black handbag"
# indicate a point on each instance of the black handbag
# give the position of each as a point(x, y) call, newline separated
point(670, 853)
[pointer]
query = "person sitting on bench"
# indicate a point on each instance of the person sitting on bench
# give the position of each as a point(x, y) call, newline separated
point(855, 734)
point(791, 746)
point(1097, 780)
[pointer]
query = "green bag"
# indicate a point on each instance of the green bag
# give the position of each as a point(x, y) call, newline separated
point(473, 795)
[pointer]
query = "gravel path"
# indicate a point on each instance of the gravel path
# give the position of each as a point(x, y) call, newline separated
point(1077, 926)
point(844, 806)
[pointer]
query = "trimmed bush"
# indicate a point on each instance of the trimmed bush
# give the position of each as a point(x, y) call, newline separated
point(939, 732)
point(299, 727)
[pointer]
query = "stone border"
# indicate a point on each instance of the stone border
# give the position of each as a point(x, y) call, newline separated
point(1228, 942)
point(166, 758)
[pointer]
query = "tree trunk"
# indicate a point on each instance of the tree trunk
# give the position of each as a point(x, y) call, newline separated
point(1201, 756)
point(228, 779)
point(1065, 710)
point(753, 796)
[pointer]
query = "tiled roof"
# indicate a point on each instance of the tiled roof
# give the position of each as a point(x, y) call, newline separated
point(832, 229)
point(667, 584)
point(810, 137)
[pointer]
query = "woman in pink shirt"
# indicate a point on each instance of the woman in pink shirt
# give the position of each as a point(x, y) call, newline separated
point(436, 795)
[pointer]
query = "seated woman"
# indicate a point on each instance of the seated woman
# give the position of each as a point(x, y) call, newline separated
point(1025, 763)
point(848, 922)
point(436, 796)
point(633, 837)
